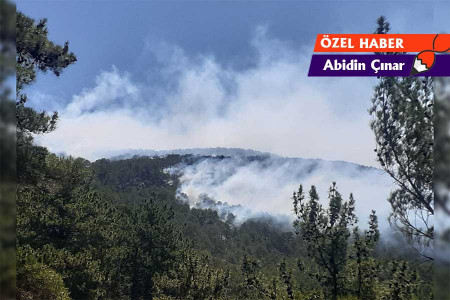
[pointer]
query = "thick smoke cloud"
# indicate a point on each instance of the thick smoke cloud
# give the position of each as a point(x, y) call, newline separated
point(198, 102)
point(256, 187)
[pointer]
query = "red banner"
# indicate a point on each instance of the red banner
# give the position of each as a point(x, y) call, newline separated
point(382, 42)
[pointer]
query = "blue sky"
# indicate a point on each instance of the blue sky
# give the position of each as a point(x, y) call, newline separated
point(181, 74)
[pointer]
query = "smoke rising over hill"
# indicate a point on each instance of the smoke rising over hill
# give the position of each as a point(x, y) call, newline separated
point(272, 106)
point(250, 184)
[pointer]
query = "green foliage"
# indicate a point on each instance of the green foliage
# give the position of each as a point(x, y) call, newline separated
point(133, 242)
point(255, 283)
point(101, 247)
point(402, 111)
point(195, 277)
point(119, 230)
point(153, 242)
point(286, 279)
point(258, 283)
point(36, 52)
point(65, 221)
point(326, 233)
point(366, 269)
point(403, 284)
point(136, 173)
point(37, 280)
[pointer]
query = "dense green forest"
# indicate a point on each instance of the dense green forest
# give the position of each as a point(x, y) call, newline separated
point(115, 229)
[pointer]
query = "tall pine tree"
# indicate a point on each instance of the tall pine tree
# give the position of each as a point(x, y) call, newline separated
point(402, 111)
point(326, 233)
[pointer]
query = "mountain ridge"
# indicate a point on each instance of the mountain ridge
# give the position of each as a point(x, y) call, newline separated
point(214, 151)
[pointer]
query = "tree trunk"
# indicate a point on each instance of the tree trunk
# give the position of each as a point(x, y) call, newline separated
point(335, 288)
point(148, 288)
point(135, 290)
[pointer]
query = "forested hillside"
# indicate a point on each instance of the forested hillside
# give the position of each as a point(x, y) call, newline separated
point(117, 229)
point(110, 226)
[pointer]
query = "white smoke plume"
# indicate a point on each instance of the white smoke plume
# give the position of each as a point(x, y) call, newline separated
point(252, 187)
point(271, 106)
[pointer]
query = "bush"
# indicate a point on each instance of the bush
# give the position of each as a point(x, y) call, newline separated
point(37, 281)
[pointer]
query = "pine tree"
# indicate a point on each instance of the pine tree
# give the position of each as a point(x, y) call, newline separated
point(34, 53)
point(326, 234)
point(403, 126)
point(403, 283)
point(286, 278)
point(66, 225)
point(254, 281)
point(366, 267)
point(194, 277)
point(152, 247)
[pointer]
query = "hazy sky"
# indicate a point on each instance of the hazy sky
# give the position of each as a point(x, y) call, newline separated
point(163, 75)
